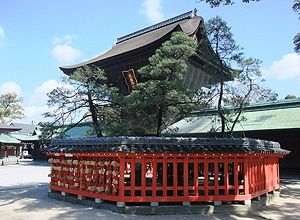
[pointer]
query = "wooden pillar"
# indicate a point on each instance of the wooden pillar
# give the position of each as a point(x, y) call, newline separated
point(216, 177)
point(185, 177)
point(196, 176)
point(143, 173)
point(165, 177)
point(121, 177)
point(132, 177)
point(205, 177)
point(175, 176)
point(236, 177)
point(226, 180)
point(246, 176)
point(154, 178)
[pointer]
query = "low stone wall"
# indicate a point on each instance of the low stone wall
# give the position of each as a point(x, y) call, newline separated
point(203, 208)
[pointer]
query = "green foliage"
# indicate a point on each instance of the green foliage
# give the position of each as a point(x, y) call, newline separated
point(217, 3)
point(296, 40)
point(297, 43)
point(296, 8)
point(290, 97)
point(222, 41)
point(244, 88)
point(10, 107)
point(154, 103)
point(84, 96)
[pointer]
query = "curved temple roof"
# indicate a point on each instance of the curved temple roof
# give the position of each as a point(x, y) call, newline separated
point(187, 22)
point(164, 145)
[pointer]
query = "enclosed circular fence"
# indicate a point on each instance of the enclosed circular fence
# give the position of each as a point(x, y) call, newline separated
point(164, 169)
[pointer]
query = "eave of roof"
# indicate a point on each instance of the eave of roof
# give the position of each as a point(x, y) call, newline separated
point(25, 128)
point(188, 25)
point(7, 139)
point(8, 128)
point(24, 137)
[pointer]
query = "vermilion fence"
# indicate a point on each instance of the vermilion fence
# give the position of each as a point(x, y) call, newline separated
point(163, 173)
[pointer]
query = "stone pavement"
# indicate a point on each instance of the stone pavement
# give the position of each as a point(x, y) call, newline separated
point(24, 188)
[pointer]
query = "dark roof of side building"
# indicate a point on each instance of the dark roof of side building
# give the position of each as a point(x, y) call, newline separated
point(25, 128)
point(4, 128)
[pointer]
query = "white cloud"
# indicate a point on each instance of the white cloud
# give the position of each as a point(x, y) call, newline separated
point(10, 87)
point(34, 114)
point(152, 9)
point(34, 104)
point(40, 93)
point(286, 68)
point(2, 34)
point(47, 87)
point(63, 52)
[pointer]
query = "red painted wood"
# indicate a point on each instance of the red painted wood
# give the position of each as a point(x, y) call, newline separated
point(165, 178)
point(175, 176)
point(121, 177)
point(196, 182)
point(185, 177)
point(216, 178)
point(260, 175)
point(205, 177)
point(236, 172)
point(132, 175)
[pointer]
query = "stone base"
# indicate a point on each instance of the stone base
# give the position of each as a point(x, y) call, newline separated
point(155, 208)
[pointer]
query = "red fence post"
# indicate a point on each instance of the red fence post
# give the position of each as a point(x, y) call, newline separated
point(185, 177)
point(246, 177)
point(121, 178)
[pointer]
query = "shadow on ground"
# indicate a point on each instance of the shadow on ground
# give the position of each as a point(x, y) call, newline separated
point(286, 207)
point(33, 203)
point(38, 163)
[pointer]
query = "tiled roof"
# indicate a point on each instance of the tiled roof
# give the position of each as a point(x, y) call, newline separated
point(8, 128)
point(25, 128)
point(25, 137)
point(164, 145)
point(7, 139)
point(260, 116)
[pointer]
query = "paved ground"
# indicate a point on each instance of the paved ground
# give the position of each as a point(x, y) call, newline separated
point(24, 187)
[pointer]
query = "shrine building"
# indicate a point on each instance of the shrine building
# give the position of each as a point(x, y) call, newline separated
point(132, 52)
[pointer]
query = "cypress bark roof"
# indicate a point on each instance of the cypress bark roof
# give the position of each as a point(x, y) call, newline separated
point(164, 145)
point(187, 22)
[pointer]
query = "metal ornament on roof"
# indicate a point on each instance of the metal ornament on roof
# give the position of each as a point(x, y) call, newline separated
point(183, 16)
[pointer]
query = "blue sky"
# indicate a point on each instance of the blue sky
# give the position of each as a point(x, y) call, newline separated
point(36, 37)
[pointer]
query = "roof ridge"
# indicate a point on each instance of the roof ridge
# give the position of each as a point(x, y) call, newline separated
point(183, 16)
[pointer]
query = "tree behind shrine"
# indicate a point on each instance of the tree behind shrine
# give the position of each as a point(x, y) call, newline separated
point(160, 97)
point(83, 97)
point(10, 107)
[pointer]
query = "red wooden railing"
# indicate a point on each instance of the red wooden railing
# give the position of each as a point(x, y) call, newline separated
point(123, 177)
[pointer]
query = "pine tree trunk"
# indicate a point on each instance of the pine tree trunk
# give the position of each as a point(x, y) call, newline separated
point(94, 116)
point(159, 121)
point(220, 106)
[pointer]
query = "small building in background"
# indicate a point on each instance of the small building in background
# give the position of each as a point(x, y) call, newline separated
point(10, 147)
point(28, 134)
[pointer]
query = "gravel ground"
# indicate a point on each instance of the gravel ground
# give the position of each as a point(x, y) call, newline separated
point(24, 188)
